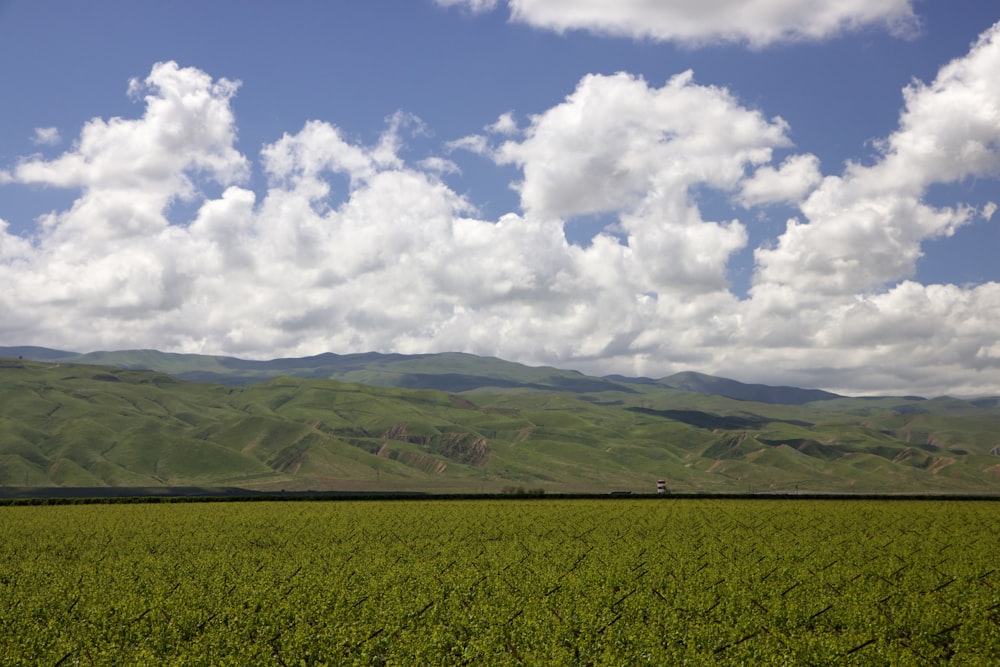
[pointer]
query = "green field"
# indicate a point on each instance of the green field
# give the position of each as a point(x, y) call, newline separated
point(534, 582)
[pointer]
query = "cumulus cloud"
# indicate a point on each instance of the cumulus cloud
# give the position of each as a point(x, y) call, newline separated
point(758, 23)
point(188, 125)
point(616, 143)
point(130, 170)
point(789, 182)
point(864, 229)
point(399, 261)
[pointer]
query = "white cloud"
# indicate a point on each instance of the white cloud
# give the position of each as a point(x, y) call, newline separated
point(474, 143)
point(13, 249)
point(300, 160)
point(617, 144)
point(474, 6)
point(864, 228)
point(439, 165)
point(853, 243)
point(505, 124)
point(790, 182)
point(46, 136)
point(758, 23)
point(400, 262)
point(950, 128)
point(129, 170)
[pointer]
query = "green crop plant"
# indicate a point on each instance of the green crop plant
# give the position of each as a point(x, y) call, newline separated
point(501, 582)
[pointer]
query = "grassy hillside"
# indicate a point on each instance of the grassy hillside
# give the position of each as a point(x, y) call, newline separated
point(84, 425)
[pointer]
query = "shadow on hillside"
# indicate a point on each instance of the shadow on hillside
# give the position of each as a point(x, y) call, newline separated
point(711, 422)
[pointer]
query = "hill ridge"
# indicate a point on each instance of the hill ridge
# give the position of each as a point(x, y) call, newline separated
point(446, 371)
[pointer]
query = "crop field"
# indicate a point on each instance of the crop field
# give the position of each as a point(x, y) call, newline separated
point(502, 582)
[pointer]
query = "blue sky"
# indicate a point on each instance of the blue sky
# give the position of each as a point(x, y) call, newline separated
point(773, 190)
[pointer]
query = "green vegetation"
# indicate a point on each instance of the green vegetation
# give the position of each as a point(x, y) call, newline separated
point(623, 581)
point(86, 426)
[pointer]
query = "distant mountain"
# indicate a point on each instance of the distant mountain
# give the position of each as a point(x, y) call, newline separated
point(70, 425)
point(34, 353)
point(450, 372)
point(759, 393)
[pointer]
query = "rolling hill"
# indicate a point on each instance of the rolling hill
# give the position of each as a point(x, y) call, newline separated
point(451, 372)
point(460, 423)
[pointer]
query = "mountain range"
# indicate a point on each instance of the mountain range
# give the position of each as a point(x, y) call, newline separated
point(450, 372)
point(456, 422)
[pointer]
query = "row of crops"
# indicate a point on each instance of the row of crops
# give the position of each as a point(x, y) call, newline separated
point(502, 582)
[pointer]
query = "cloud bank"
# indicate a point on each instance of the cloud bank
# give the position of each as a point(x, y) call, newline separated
point(401, 262)
point(758, 23)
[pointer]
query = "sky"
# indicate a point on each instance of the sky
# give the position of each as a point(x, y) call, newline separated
point(797, 192)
